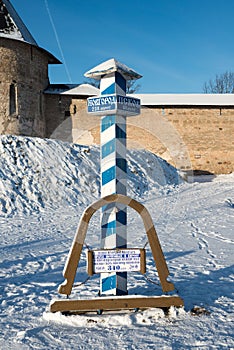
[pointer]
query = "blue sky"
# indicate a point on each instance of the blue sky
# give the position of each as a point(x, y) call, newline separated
point(176, 45)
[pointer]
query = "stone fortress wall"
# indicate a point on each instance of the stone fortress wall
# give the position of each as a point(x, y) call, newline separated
point(23, 78)
point(198, 138)
point(191, 135)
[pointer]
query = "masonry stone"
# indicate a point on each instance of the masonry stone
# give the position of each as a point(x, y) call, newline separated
point(23, 77)
point(192, 138)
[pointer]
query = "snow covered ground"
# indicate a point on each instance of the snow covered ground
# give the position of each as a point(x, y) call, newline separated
point(44, 187)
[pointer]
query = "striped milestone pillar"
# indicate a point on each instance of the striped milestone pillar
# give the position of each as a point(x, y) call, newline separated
point(113, 180)
point(114, 106)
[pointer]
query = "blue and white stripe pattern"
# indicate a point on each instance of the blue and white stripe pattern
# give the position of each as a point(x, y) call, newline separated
point(113, 180)
point(113, 75)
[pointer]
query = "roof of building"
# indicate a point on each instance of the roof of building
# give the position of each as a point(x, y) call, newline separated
point(185, 99)
point(72, 90)
point(12, 27)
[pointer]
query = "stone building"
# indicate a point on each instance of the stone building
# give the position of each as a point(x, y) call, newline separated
point(192, 131)
point(29, 105)
point(23, 76)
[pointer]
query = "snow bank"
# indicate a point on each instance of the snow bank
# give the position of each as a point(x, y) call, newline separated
point(194, 224)
point(37, 173)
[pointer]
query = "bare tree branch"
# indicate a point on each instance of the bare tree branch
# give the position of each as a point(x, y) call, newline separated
point(222, 84)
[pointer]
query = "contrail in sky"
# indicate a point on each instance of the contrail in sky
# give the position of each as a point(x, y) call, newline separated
point(58, 42)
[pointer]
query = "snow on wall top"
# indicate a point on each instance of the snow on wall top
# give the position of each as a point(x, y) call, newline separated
point(110, 66)
point(148, 99)
point(186, 99)
point(72, 89)
point(11, 25)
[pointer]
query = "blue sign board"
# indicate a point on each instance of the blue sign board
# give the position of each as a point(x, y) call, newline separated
point(114, 104)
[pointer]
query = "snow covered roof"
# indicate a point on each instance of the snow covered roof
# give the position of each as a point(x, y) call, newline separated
point(72, 89)
point(111, 66)
point(12, 27)
point(186, 99)
point(155, 100)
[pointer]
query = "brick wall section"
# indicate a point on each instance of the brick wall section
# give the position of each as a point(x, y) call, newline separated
point(208, 134)
point(199, 139)
point(57, 110)
point(26, 67)
point(84, 125)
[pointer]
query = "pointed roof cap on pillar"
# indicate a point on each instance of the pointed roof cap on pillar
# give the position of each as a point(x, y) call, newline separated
point(112, 66)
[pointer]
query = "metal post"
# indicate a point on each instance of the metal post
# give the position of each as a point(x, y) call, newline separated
point(114, 106)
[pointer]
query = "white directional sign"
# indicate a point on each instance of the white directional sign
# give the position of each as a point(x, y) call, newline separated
point(114, 104)
point(121, 260)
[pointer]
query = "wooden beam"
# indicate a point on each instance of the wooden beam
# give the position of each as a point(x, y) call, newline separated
point(71, 267)
point(143, 261)
point(111, 304)
point(90, 262)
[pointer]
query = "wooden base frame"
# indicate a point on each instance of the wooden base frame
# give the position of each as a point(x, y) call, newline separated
point(121, 302)
point(77, 245)
point(114, 304)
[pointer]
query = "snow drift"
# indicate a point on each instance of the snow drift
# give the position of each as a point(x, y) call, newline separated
point(37, 173)
point(53, 182)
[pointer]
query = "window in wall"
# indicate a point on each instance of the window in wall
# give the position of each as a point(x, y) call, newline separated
point(31, 51)
point(40, 104)
point(13, 99)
